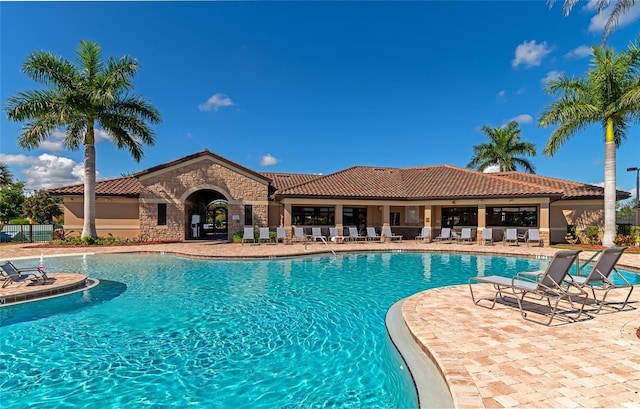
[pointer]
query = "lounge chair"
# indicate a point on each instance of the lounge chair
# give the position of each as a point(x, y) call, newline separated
point(386, 231)
point(532, 235)
point(424, 235)
point(487, 235)
point(354, 235)
point(445, 235)
point(9, 273)
point(553, 285)
point(601, 278)
point(510, 236)
point(299, 236)
point(372, 235)
point(281, 235)
point(247, 236)
point(316, 234)
point(334, 236)
point(465, 236)
point(264, 236)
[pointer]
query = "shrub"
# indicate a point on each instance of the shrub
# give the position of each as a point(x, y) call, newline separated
point(592, 235)
point(622, 240)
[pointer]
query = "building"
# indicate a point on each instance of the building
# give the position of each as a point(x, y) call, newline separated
point(206, 196)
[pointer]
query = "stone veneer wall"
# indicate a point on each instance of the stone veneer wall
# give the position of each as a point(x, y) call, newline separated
point(169, 185)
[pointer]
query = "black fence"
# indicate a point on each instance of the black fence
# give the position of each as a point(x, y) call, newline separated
point(27, 233)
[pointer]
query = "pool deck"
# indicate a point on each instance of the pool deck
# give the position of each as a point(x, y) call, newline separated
point(489, 358)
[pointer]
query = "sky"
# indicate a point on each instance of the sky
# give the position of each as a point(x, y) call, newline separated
point(318, 87)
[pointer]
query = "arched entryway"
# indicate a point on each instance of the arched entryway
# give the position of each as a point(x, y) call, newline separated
point(207, 214)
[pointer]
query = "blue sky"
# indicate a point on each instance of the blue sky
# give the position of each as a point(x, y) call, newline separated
point(317, 87)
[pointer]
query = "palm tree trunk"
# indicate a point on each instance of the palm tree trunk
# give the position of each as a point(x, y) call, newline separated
point(89, 226)
point(609, 186)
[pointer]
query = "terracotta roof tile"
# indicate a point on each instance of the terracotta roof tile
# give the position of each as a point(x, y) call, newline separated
point(570, 189)
point(429, 182)
point(127, 187)
point(286, 180)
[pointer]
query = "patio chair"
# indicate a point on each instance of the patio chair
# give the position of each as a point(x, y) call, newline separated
point(9, 273)
point(372, 235)
point(386, 231)
point(299, 236)
point(247, 236)
point(354, 235)
point(445, 235)
point(602, 278)
point(465, 236)
point(281, 235)
point(510, 236)
point(334, 236)
point(532, 235)
point(316, 234)
point(424, 235)
point(264, 236)
point(554, 285)
point(487, 236)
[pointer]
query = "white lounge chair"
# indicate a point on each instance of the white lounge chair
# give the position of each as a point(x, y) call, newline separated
point(299, 236)
point(334, 236)
point(487, 235)
point(510, 236)
point(465, 236)
point(445, 235)
point(354, 235)
point(247, 236)
point(532, 235)
point(372, 235)
point(316, 234)
point(281, 235)
point(386, 231)
point(553, 286)
point(264, 235)
point(424, 235)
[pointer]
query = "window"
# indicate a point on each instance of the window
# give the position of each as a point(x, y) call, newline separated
point(162, 214)
point(394, 218)
point(354, 216)
point(313, 216)
point(521, 216)
point(248, 215)
point(459, 216)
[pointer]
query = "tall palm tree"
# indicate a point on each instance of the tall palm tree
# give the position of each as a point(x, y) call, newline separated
point(504, 149)
point(6, 177)
point(81, 98)
point(619, 7)
point(609, 95)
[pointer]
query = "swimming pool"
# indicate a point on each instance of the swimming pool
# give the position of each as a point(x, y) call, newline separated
point(164, 331)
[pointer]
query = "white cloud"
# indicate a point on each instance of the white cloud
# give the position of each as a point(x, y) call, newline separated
point(492, 169)
point(522, 119)
point(45, 171)
point(578, 52)
point(502, 96)
point(530, 54)
point(551, 75)
point(215, 102)
point(268, 160)
point(599, 20)
point(520, 91)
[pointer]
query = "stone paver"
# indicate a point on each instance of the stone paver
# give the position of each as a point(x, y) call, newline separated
point(489, 358)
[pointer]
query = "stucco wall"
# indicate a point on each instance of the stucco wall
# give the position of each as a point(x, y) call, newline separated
point(582, 213)
point(114, 216)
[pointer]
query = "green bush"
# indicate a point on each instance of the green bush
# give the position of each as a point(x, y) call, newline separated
point(622, 240)
point(19, 221)
point(592, 235)
point(237, 237)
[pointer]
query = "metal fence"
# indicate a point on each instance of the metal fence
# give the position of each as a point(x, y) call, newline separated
point(27, 233)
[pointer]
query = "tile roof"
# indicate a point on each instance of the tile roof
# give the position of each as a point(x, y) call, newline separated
point(571, 189)
point(286, 180)
point(429, 182)
point(127, 187)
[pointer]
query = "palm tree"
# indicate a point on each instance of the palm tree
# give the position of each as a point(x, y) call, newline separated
point(81, 98)
point(620, 7)
point(6, 178)
point(504, 149)
point(609, 94)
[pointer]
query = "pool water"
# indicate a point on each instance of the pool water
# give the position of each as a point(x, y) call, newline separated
point(163, 331)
